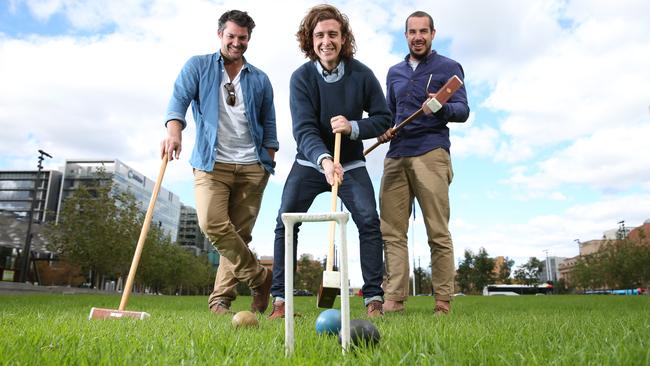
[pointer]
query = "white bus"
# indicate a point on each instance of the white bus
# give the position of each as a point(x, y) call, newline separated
point(516, 290)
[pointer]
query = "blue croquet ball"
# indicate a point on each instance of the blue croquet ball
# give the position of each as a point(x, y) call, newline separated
point(362, 333)
point(328, 322)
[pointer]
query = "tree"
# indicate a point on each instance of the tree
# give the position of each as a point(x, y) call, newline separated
point(618, 264)
point(422, 281)
point(464, 272)
point(483, 270)
point(528, 273)
point(309, 273)
point(475, 271)
point(96, 230)
point(505, 270)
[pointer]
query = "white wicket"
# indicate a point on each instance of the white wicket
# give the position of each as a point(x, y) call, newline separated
point(289, 220)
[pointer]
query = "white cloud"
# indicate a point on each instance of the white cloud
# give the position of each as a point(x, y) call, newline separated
point(612, 160)
point(588, 80)
point(553, 232)
point(470, 139)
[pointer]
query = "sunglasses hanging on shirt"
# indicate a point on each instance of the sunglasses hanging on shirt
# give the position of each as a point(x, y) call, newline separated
point(231, 97)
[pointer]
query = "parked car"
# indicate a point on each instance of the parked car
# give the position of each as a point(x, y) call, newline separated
point(298, 292)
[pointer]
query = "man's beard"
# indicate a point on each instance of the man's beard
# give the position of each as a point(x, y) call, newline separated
point(420, 56)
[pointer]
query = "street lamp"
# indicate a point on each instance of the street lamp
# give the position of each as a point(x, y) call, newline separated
point(413, 243)
point(549, 276)
point(621, 230)
point(30, 217)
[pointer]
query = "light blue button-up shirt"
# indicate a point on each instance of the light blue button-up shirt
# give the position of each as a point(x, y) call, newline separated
point(198, 84)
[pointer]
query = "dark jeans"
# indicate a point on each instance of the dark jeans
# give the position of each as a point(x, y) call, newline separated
point(301, 188)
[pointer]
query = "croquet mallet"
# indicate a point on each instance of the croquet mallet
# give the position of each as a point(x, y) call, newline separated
point(442, 96)
point(99, 313)
point(331, 286)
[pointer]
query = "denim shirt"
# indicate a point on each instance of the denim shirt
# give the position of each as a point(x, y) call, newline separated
point(198, 83)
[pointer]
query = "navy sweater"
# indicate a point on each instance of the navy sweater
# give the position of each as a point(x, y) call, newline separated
point(406, 90)
point(314, 102)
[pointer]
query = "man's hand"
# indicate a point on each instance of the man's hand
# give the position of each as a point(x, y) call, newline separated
point(387, 136)
point(341, 124)
point(333, 172)
point(425, 108)
point(171, 145)
point(271, 153)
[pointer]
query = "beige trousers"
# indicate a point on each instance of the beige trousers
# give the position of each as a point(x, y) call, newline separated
point(426, 177)
point(227, 203)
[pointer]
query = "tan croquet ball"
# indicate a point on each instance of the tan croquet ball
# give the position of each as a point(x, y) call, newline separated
point(244, 319)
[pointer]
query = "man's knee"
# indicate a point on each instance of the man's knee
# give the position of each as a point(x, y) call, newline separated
point(368, 220)
point(215, 231)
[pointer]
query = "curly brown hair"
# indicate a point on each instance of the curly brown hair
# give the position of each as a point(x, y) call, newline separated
point(317, 14)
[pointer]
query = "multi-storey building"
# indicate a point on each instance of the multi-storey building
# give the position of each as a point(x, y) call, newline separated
point(17, 193)
point(554, 265)
point(191, 238)
point(78, 173)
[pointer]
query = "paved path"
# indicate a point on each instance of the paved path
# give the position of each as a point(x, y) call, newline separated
point(14, 288)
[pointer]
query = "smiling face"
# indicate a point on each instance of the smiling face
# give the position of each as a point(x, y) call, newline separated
point(419, 36)
point(234, 41)
point(328, 40)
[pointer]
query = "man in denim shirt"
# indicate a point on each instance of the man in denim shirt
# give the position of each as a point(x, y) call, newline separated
point(418, 165)
point(236, 140)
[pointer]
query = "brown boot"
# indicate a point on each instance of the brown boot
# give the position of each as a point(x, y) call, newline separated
point(221, 308)
point(261, 294)
point(442, 308)
point(391, 306)
point(375, 309)
point(278, 310)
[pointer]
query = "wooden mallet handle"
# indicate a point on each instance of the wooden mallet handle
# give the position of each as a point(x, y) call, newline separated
point(143, 235)
point(442, 96)
point(329, 265)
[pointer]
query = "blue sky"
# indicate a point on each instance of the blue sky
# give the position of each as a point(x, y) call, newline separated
point(555, 149)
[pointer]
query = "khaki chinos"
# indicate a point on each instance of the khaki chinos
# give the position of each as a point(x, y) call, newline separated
point(227, 203)
point(426, 177)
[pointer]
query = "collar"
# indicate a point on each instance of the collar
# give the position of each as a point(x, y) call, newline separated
point(425, 60)
point(221, 60)
point(331, 76)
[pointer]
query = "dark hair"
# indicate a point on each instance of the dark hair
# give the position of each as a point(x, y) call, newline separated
point(419, 14)
point(317, 14)
point(241, 18)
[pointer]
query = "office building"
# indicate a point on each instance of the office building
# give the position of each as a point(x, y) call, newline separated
point(78, 173)
point(17, 193)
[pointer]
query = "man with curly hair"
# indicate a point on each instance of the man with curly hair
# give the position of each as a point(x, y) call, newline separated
point(328, 95)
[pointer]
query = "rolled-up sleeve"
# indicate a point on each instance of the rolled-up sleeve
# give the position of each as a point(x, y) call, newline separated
point(270, 139)
point(185, 91)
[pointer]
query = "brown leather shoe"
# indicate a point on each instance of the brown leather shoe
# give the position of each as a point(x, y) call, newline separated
point(221, 309)
point(261, 294)
point(442, 308)
point(375, 309)
point(278, 310)
point(391, 306)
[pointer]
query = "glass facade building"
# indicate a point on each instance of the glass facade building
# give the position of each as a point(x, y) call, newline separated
point(17, 193)
point(191, 238)
point(78, 173)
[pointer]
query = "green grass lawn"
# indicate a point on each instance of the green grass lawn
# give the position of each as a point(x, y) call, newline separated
point(526, 330)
